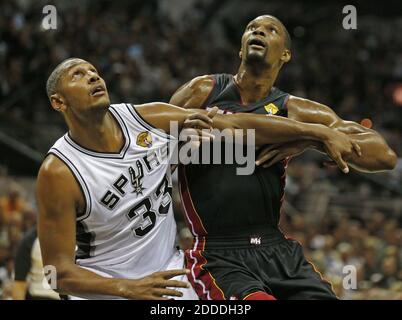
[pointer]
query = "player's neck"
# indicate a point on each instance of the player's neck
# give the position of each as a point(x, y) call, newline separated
point(99, 132)
point(255, 85)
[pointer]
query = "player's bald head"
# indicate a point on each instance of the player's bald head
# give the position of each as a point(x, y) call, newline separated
point(54, 79)
point(288, 40)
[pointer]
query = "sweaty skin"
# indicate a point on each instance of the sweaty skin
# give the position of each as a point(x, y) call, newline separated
point(257, 74)
point(83, 100)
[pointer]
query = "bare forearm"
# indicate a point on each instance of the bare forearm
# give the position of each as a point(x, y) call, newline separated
point(268, 129)
point(273, 129)
point(78, 281)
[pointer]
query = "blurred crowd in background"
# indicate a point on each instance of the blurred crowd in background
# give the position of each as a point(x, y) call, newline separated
point(146, 49)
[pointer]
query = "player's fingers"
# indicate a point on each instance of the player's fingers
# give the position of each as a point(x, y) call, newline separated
point(172, 273)
point(212, 112)
point(267, 155)
point(167, 292)
point(196, 123)
point(341, 163)
point(173, 284)
point(200, 116)
point(266, 149)
point(357, 148)
point(160, 298)
point(274, 160)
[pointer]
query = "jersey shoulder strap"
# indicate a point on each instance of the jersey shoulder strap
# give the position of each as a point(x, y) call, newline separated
point(220, 82)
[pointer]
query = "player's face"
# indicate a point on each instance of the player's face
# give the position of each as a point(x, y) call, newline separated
point(83, 88)
point(263, 41)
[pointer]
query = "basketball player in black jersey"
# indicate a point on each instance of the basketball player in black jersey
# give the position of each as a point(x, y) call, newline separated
point(78, 92)
point(239, 251)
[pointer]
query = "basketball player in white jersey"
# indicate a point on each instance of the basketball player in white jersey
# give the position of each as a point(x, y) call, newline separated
point(104, 194)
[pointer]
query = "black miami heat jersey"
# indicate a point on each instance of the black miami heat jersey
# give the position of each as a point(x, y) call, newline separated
point(217, 201)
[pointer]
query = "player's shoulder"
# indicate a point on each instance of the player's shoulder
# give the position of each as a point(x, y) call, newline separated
point(53, 169)
point(201, 82)
point(201, 85)
point(307, 105)
point(193, 93)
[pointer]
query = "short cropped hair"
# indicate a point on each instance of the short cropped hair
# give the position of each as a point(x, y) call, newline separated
point(54, 78)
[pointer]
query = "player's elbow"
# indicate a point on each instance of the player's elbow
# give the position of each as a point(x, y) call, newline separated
point(389, 160)
point(385, 161)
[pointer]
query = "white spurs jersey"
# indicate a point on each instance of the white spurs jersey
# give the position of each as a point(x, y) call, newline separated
point(128, 228)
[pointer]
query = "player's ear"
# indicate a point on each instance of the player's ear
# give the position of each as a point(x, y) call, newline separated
point(240, 54)
point(58, 102)
point(286, 55)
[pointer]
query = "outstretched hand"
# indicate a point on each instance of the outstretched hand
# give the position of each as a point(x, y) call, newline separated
point(156, 286)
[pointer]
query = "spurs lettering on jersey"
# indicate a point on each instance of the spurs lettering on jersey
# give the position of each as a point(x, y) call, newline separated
point(135, 175)
point(128, 214)
point(143, 213)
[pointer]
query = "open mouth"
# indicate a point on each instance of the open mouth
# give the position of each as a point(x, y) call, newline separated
point(257, 43)
point(98, 91)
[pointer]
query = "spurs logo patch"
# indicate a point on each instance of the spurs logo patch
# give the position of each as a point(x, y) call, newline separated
point(136, 175)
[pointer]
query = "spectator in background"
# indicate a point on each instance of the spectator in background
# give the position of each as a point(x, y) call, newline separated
point(12, 205)
point(140, 62)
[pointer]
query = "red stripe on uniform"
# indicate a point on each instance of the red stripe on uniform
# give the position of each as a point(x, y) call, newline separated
point(202, 281)
point(192, 218)
point(283, 182)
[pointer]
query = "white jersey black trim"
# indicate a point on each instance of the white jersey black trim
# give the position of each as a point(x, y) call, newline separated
point(110, 155)
point(146, 124)
point(84, 240)
point(83, 186)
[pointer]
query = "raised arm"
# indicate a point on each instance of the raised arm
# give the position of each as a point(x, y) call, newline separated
point(376, 154)
point(268, 129)
point(59, 199)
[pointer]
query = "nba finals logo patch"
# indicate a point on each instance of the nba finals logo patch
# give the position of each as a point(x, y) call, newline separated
point(144, 139)
point(271, 108)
